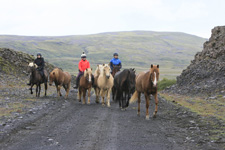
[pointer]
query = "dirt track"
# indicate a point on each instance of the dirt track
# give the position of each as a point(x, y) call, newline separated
point(69, 125)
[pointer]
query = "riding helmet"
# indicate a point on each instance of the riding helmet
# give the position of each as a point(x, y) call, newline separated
point(115, 54)
point(39, 54)
point(83, 55)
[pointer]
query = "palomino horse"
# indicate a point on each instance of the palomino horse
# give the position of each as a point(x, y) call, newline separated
point(36, 79)
point(61, 79)
point(124, 84)
point(105, 83)
point(96, 87)
point(147, 83)
point(85, 84)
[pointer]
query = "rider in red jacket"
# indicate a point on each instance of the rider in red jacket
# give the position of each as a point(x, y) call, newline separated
point(83, 65)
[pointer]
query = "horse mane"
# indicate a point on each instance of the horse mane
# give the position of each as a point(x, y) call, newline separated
point(86, 71)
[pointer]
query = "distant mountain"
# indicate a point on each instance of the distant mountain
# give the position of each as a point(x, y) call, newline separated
point(138, 49)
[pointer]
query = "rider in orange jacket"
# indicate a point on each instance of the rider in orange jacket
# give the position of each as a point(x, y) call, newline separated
point(83, 65)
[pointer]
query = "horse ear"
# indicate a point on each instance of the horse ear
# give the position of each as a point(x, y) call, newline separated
point(157, 66)
point(86, 69)
point(91, 68)
point(98, 65)
point(53, 73)
point(151, 65)
point(103, 64)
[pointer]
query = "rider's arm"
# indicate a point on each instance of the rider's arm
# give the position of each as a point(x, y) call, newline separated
point(79, 66)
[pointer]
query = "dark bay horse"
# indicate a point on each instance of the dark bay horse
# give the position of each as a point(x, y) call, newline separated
point(114, 71)
point(124, 84)
point(146, 82)
point(37, 79)
point(61, 79)
point(85, 84)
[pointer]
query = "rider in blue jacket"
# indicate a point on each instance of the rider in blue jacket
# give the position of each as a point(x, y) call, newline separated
point(115, 61)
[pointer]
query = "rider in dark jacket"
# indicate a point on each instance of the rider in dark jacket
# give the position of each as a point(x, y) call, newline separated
point(115, 61)
point(40, 62)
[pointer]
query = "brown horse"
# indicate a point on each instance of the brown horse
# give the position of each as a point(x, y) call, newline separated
point(146, 82)
point(105, 83)
point(37, 79)
point(115, 70)
point(61, 79)
point(85, 84)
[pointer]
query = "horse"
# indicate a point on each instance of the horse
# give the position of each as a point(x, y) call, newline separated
point(105, 83)
point(95, 86)
point(146, 82)
point(85, 84)
point(115, 70)
point(61, 79)
point(37, 79)
point(124, 84)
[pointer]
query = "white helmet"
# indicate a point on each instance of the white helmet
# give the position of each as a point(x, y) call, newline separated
point(83, 55)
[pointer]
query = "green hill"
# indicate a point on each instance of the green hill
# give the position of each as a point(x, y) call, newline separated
point(138, 49)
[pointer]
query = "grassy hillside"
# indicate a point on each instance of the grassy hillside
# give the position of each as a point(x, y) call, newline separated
point(138, 49)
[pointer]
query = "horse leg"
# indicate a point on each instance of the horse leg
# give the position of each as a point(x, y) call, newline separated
point(31, 92)
point(59, 90)
point(39, 90)
point(84, 94)
point(108, 97)
point(36, 90)
point(79, 94)
point(102, 95)
point(147, 105)
point(89, 95)
point(67, 90)
point(156, 105)
point(139, 103)
point(46, 87)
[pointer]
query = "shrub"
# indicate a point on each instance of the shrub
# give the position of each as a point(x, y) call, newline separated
point(164, 83)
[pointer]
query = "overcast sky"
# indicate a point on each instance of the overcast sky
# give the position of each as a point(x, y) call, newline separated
point(76, 17)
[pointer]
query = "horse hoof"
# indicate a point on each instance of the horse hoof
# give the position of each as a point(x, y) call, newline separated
point(147, 117)
point(79, 100)
point(108, 105)
point(97, 102)
point(103, 104)
point(138, 114)
point(154, 116)
point(88, 103)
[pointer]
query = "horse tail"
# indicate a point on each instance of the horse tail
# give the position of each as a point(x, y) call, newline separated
point(134, 97)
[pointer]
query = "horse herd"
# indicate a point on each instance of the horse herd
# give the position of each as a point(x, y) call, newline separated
point(122, 84)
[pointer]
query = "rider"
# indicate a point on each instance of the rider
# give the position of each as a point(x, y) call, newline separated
point(83, 65)
point(40, 62)
point(115, 61)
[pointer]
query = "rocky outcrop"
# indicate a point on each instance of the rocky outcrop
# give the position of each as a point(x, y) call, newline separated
point(15, 62)
point(206, 73)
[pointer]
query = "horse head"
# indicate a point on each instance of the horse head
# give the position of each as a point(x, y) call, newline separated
point(31, 67)
point(115, 70)
point(106, 70)
point(154, 74)
point(88, 74)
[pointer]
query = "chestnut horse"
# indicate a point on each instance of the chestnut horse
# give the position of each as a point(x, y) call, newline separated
point(96, 87)
point(105, 83)
point(146, 82)
point(85, 84)
point(61, 79)
point(115, 70)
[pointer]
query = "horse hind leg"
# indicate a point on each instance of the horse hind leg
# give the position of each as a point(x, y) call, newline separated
point(79, 94)
point(156, 105)
point(37, 90)
point(139, 103)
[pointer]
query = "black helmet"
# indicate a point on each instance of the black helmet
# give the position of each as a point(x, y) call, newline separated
point(115, 54)
point(39, 54)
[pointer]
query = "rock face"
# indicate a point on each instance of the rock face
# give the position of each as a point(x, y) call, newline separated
point(15, 63)
point(206, 73)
